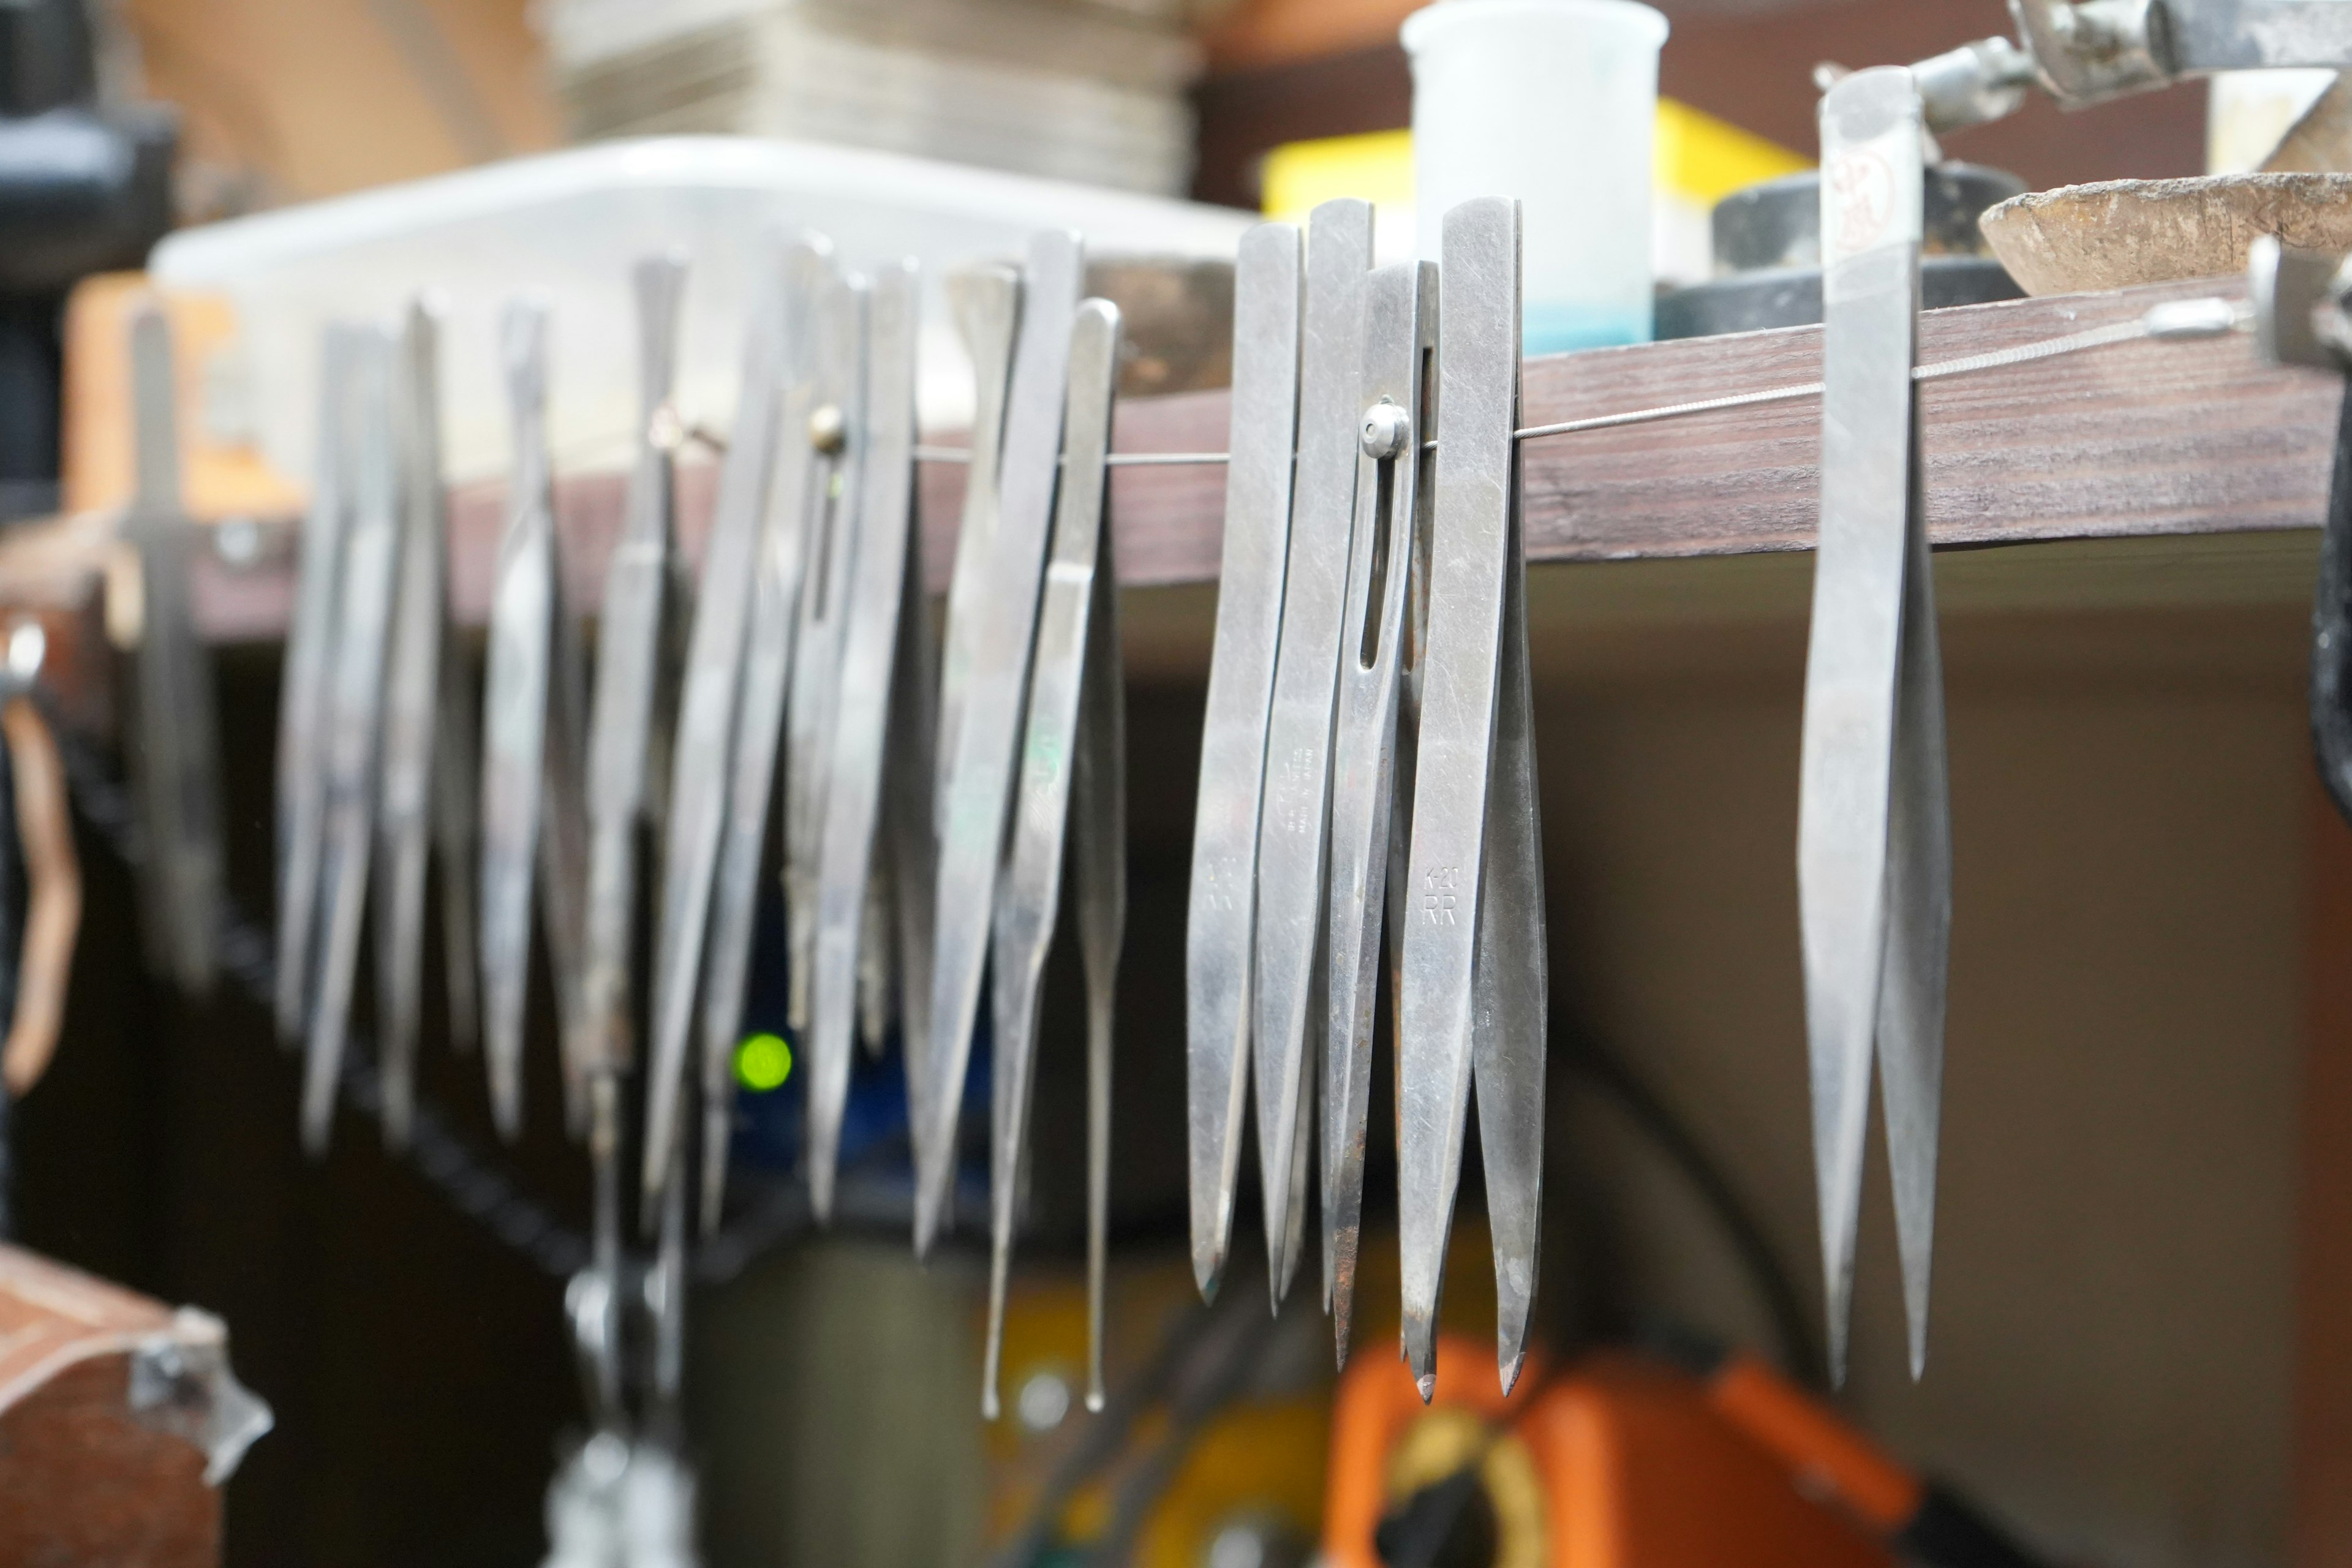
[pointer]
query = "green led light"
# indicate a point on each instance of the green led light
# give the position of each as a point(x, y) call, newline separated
point(763, 1062)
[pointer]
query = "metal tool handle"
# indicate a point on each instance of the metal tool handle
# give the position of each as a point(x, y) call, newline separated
point(1029, 895)
point(1290, 955)
point(412, 714)
point(311, 641)
point(1221, 918)
point(514, 742)
point(878, 543)
point(620, 736)
point(1398, 392)
point(706, 722)
point(981, 775)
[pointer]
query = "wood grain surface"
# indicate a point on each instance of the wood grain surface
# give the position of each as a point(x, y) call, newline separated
point(2143, 439)
point(84, 1481)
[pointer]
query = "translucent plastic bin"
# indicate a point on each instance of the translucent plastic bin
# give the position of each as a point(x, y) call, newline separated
point(567, 225)
point(1555, 102)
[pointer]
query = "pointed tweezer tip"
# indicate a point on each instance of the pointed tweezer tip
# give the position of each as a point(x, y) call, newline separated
point(1511, 1368)
point(989, 1408)
point(1427, 1383)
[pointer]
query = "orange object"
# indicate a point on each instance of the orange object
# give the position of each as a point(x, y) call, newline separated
point(1635, 1465)
point(1828, 1457)
point(222, 472)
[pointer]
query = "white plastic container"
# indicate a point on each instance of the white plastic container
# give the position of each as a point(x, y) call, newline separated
point(567, 225)
point(1555, 102)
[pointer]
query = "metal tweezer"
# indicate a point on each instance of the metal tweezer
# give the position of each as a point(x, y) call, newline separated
point(836, 432)
point(178, 756)
point(1471, 1002)
point(1073, 712)
point(986, 738)
point(457, 830)
point(1401, 335)
point(866, 678)
point(1218, 940)
point(697, 792)
point(564, 836)
point(515, 712)
point(354, 702)
point(986, 302)
point(1291, 963)
point(795, 501)
point(412, 708)
point(1874, 826)
point(309, 652)
point(628, 653)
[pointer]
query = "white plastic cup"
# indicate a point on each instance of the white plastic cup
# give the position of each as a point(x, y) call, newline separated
point(1555, 102)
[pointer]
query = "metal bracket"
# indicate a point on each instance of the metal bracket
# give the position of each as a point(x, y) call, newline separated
point(2083, 52)
point(181, 1382)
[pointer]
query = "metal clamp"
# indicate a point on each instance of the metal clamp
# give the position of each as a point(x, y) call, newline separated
point(2083, 52)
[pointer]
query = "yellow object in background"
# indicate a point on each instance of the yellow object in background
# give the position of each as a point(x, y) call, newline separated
point(222, 471)
point(1376, 167)
point(1702, 159)
point(1698, 158)
point(1699, 161)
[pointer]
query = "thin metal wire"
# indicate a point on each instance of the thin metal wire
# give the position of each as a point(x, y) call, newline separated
point(1117, 459)
point(2168, 329)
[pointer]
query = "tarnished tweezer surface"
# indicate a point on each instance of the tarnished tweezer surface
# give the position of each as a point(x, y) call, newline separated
point(981, 775)
point(1098, 842)
point(910, 809)
point(1293, 817)
point(1029, 899)
point(1509, 1000)
point(457, 834)
point(2258, 35)
point(1399, 366)
point(628, 652)
point(301, 711)
point(867, 678)
point(1219, 946)
point(412, 706)
point(564, 836)
point(910, 816)
point(354, 700)
point(1450, 958)
point(1874, 857)
point(837, 429)
point(178, 753)
point(698, 791)
point(796, 504)
point(515, 709)
point(986, 302)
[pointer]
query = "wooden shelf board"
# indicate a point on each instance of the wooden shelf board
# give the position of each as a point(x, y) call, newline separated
point(2141, 473)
